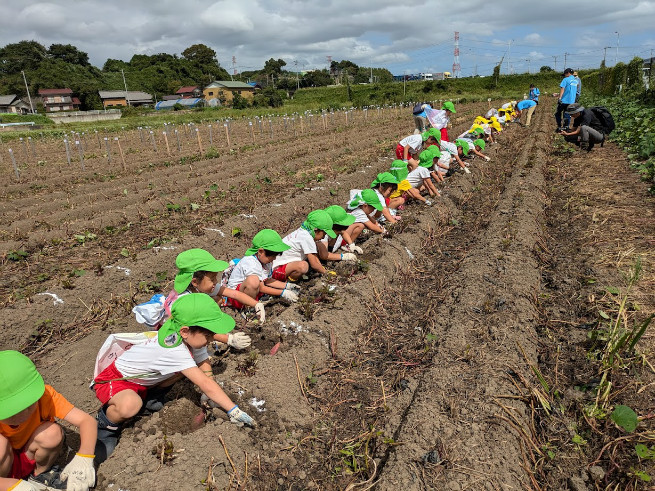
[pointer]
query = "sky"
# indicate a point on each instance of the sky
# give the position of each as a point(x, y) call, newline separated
point(408, 36)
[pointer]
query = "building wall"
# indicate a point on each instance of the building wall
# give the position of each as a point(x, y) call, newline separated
point(227, 94)
point(114, 102)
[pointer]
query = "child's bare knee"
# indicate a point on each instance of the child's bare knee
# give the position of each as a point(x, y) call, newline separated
point(304, 267)
point(6, 457)
point(49, 435)
point(252, 283)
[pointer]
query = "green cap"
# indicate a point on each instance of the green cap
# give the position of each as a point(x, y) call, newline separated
point(319, 219)
point(464, 145)
point(193, 309)
point(367, 196)
point(449, 106)
point(400, 174)
point(398, 164)
point(21, 385)
point(188, 262)
point(431, 132)
point(477, 131)
point(385, 177)
point(339, 216)
point(267, 239)
point(480, 143)
point(426, 159)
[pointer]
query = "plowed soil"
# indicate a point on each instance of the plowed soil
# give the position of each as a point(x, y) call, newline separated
point(413, 368)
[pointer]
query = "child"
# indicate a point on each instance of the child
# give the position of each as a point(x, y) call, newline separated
point(327, 248)
point(476, 147)
point(252, 274)
point(408, 148)
point(450, 151)
point(475, 131)
point(462, 151)
point(364, 206)
point(439, 119)
point(420, 178)
point(431, 137)
point(30, 439)
point(303, 253)
point(197, 273)
point(179, 350)
point(384, 184)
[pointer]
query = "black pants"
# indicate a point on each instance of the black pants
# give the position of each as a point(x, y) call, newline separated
point(561, 107)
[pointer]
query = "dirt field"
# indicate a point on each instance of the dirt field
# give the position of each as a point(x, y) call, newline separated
point(420, 368)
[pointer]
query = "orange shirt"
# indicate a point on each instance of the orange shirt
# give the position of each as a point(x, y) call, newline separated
point(51, 405)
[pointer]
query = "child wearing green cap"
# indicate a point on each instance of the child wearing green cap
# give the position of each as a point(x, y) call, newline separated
point(252, 274)
point(179, 350)
point(384, 184)
point(31, 440)
point(421, 177)
point(365, 206)
point(405, 191)
point(476, 147)
point(439, 118)
point(408, 148)
point(328, 248)
point(449, 152)
point(303, 252)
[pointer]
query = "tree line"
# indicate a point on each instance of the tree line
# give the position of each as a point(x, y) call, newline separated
point(64, 65)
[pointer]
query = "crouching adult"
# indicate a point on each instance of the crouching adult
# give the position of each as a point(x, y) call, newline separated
point(587, 129)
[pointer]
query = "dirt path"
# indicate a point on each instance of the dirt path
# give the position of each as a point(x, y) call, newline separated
point(410, 368)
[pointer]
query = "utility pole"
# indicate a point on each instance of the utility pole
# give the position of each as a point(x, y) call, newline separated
point(529, 71)
point(605, 54)
point(29, 98)
point(616, 57)
point(404, 82)
point(565, 55)
point(509, 54)
point(297, 79)
point(555, 61)
point(127, 100)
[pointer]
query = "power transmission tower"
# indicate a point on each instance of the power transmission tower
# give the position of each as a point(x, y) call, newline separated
point(456, 66)
point(234, 67)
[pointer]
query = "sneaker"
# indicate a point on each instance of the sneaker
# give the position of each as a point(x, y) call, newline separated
point(50, 479)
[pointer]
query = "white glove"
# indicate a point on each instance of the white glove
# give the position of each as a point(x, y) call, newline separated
point(23, 486)
point(294, 287)
point(259, 310)
point(354, 248)
point(289, 296)
point(238, 340)
point(428, 202)
point(80, 473)
point(384, 230)
point(236, 415)
point(466, 170)
point(348, 256)
point(487, 158)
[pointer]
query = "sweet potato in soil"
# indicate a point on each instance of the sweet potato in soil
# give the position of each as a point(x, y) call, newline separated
point(409, 368)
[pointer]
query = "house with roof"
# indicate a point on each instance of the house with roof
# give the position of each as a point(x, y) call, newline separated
point(13, 104)
point(224, 90)
point(55, 100)
point(189, 92)
point(122, 98)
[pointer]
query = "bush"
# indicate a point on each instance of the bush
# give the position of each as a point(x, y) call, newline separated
point(239, 102)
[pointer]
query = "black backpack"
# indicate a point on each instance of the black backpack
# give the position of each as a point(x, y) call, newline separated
point(417, 108)
point(604, 117)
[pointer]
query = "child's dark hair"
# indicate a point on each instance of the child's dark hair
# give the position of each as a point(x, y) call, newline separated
point(339, 228)
point(201, 330)
point(388, 185)
point(271, 253)
point(199, 275)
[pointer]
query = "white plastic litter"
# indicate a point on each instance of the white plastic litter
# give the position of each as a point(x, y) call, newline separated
point(55, 298)
point(246, 215)
point(127, 271)
point(258, 404)
point(409, 253)
point(219, 232)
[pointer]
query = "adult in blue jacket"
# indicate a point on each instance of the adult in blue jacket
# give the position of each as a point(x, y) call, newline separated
point(567, 92)
point(527, 106)
point(534, 93)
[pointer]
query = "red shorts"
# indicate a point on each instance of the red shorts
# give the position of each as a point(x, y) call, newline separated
point(107, 386)
point(400, 150)
point(280, 273)
point(444, 134)
point(22, 466)
point(235, 303)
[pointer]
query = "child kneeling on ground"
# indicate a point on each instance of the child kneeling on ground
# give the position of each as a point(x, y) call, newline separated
point(179, 350)
point(341, 222)
point(252, 274)
point(303, 253)
point(31, 440)
point(420, 178)
point(365, 206)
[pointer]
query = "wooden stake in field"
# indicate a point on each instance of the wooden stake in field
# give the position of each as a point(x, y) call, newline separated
point(199, 142)
point(270, 125)
point(168, 150)
point(177, 136)
point(252, 131)
point(81, 152)
point(98, 138)
point(141, 133)
point(152, 139)
point(29, 139)
point(68, 154)
point(227, 134)
point(120, 150)
point(302, 127)
point(211, 137)
point(13, 161)
point(24, 145)
point(108, 149)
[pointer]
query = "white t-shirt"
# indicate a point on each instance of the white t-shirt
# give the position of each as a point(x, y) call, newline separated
point(416, 177)
point(507, 105)
point(448, 147)
point(248, 266)
point(383, 202)
point(491, 112)
point(415, 142)
point(301, 242)
point(471, 144)
point(338, 243)
point(158, 362)
point(444, 162)
point(360, 216)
